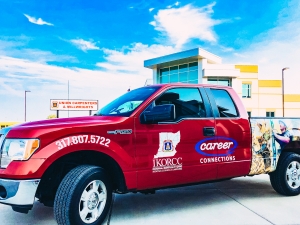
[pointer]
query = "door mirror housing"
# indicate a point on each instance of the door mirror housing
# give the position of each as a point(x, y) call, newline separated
point(160, 113)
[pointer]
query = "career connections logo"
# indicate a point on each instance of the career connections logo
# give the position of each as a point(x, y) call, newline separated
point(216, 149)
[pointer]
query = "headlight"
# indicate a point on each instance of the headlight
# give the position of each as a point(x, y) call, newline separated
point(17, 149)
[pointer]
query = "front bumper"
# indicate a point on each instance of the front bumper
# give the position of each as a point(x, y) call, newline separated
point(18, 192)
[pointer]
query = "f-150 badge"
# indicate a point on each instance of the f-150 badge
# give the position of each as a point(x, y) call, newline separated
point(125, 131)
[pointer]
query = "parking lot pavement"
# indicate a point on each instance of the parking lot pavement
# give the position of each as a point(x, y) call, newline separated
point(249, 200)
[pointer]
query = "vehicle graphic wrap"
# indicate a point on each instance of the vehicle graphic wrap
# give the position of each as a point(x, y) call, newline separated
point(273, 147)
point(269, 138)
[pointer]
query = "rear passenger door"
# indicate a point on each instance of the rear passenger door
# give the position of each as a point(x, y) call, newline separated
point(232, 133)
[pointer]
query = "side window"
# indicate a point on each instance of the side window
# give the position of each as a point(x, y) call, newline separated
point(188, 102)
point(224, 103)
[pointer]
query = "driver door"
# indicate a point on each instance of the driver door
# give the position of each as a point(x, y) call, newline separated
point(165, 151)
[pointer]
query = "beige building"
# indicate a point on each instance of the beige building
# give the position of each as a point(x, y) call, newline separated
point(260, 97)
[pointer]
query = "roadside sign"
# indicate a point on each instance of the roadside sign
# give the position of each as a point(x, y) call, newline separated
point(73, 105)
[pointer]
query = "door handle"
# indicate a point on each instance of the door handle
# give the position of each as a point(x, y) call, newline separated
point(209, 131)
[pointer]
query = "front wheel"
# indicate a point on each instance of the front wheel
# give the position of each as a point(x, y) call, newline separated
point(83, 197)
point(286, 178)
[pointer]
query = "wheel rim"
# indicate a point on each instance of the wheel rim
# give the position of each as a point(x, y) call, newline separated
point(293, 174)
point(92, 201)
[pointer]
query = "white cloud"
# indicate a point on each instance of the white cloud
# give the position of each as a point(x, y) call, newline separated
point(15, 69)
point(185, 23)
point(38, 21)
point(121, 69)
point(16, 47)
point(153, 23)
point(151, 9)
point(175, 4)
point(226, 49)
point(50, 82)
point(239, 55)
point(275, 49)
point(84, 45)
point(131, 59)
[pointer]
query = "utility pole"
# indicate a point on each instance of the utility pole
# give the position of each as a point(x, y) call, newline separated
point(25, 104)
point(285, 68)
point(68, 97)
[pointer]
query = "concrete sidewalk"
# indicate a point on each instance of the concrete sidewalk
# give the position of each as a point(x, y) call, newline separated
point(249, 200)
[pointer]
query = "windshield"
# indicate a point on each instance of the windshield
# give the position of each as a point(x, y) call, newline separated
point(127, 103)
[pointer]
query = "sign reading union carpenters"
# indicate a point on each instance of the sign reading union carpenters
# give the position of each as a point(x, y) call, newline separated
point(76, 105)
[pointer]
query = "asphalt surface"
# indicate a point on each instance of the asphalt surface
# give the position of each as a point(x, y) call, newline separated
point(247, 200)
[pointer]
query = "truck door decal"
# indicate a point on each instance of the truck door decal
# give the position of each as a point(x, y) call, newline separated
point(164, 161)
point(228, 145)
point(82, 139)
point(224, 146)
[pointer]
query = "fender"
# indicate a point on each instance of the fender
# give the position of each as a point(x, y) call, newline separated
point(40, 161)
point(51, 153)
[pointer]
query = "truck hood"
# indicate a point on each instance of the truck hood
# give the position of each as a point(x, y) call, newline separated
point(74, 121)
point(37, 128)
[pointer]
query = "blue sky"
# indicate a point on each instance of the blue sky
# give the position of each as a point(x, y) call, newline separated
point(100, 46)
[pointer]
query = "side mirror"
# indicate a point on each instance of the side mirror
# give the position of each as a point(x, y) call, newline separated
point(160, 113)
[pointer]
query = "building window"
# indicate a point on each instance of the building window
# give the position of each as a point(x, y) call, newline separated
point(185, 73)
point(270, 114)
point(246, 91)
point(219, 81)
point(249, 113)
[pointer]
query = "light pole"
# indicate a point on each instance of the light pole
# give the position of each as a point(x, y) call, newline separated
point(25, 104)
point(68, 98)
point(285, 68)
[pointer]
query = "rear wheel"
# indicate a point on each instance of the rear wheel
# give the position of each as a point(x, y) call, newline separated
point(83, 197)
point(286, 178)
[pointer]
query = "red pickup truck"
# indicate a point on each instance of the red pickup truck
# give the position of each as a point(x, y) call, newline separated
point(150, 138)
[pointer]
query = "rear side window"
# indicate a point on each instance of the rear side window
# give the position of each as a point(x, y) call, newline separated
point(224, 103)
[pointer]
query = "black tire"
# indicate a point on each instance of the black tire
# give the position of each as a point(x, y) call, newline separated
point(286, 178)
point(70, 204)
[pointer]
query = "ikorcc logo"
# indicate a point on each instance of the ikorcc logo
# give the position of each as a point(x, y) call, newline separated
point(225, 146)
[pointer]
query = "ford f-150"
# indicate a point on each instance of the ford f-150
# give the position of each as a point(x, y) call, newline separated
point(150, 138)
